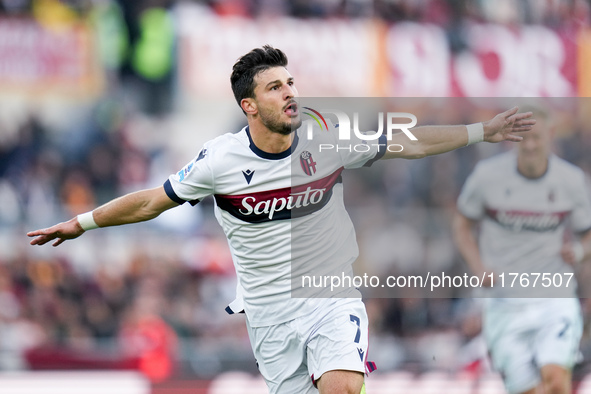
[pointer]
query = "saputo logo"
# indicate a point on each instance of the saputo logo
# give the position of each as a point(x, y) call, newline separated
point(365, 138)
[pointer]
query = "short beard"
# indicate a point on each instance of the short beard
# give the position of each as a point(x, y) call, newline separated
point(281, 128)
point(284, 129)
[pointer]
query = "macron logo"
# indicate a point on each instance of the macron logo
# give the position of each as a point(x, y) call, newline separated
point(361, 352)
point(248, 175)
point(201, 155)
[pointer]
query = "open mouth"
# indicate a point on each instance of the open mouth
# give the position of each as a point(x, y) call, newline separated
point(291, 109)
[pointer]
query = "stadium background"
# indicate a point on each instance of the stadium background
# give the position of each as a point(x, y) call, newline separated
point(101, 97)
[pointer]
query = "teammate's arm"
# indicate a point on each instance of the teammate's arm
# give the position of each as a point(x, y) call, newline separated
point(433, 140)
point(575, 252)
point(132, 208)
point(466, 243)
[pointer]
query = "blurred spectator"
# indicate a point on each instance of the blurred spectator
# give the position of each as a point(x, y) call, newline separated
point(15, 7)
point(146, 337)
point(18, 333)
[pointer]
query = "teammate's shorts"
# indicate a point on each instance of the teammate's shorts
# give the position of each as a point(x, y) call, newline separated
point(291, 356)
point(524, 335)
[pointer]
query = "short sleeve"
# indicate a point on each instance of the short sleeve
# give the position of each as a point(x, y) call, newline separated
point(471, 199)
point(193, 182)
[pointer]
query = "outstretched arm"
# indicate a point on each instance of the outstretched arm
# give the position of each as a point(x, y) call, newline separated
point(468, 247)
point(433, 140)
point(131, 208)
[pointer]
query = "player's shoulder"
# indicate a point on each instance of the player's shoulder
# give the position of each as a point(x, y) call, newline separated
point(325, 131)
point(565, 170)
point(226, 139)
point(220, 146)
point(563, 165)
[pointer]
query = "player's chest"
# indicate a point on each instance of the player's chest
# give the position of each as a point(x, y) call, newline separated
point(540, 195)
point(253, 174)
point(540, 205)
point(519, 203)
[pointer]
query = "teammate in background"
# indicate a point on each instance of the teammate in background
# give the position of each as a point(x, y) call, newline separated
point(522, 200)
point(301, 344)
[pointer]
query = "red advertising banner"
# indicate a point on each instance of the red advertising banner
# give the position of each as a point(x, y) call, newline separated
point(584, 62)
point(327, 57)
point(37, 60)
point(530, 61)
point(368, 58)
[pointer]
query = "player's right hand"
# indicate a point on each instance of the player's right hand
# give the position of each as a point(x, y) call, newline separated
point(486, 275)
point(60, 232)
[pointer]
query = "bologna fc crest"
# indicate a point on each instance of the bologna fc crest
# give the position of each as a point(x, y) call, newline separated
point(307, 162)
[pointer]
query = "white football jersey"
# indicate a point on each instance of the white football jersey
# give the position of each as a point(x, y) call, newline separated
point(279, 212)
point(523, 221)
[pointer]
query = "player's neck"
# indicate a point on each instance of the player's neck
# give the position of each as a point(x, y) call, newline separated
point(269, 141)
point(532, 169)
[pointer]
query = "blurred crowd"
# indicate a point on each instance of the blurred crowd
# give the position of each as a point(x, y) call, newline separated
point(442, 12)
point(152, 296)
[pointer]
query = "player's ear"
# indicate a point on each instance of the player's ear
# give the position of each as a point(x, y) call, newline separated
point(249, 106)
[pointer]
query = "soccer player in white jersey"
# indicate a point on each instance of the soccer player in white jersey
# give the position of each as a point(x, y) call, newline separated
point(302, 345)
point(523, 200)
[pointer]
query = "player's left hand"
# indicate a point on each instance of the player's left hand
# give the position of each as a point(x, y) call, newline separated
point(503, 126)
point(572, 253)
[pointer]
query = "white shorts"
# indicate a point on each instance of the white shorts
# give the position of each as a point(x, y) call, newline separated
point(524, 335)
point(291, 356)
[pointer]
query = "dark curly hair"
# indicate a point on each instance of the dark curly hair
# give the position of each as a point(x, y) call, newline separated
point(249, 65)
